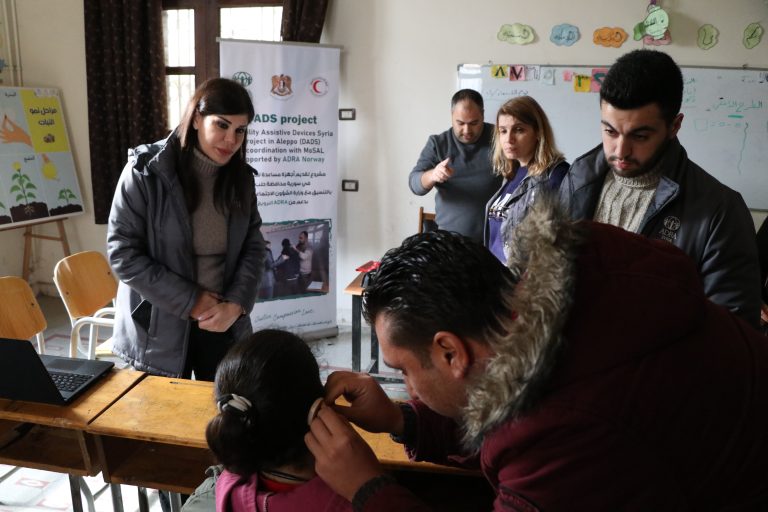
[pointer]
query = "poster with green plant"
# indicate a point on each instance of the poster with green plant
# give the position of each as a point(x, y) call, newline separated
point(38, 179)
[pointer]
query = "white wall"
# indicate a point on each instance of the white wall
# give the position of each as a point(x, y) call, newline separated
point(52, 43)
point(399, 72)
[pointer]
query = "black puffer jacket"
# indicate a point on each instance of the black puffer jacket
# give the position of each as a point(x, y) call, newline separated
point(149, 244)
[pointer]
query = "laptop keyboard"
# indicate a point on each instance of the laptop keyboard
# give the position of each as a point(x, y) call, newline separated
point(68, 381)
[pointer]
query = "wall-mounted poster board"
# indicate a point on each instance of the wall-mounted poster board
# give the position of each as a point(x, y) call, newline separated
point(38, 181)
point(725, 128)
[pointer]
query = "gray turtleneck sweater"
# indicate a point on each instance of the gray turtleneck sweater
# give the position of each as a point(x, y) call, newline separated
point(209, 227)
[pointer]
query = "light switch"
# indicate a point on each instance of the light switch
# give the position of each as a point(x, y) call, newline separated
point(349, 185)
point(346, 114)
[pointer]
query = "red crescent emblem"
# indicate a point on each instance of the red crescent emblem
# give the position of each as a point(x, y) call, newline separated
point(319, 86)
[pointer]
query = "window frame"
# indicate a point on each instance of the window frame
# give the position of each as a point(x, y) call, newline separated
point(207, 29)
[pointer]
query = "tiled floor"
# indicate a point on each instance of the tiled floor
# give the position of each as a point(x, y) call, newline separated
point(27, 490)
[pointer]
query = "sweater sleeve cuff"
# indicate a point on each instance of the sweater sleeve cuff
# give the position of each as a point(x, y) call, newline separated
point(368, 489)
point(410, 427)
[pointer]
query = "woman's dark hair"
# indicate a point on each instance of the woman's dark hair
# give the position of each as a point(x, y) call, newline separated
point(233, 190)
point(277, 372)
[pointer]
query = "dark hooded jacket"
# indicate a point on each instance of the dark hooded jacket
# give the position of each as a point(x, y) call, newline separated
point(149, 244)
point(619, 385)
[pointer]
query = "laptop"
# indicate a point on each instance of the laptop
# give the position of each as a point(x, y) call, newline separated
point(25, 375)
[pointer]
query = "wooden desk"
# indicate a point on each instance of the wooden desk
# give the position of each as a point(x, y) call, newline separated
point(355, 288)
point(57, 440)
point(392, 456)
point(154, 436)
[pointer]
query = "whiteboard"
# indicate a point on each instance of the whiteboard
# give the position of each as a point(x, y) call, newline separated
point(38, 181)
point(725, 124)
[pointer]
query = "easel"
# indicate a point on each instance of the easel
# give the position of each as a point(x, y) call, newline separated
point(40, 155)
point(29, 235)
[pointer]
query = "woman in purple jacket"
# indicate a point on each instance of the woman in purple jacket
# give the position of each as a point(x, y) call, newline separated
point(265, 387)
point(526, 156)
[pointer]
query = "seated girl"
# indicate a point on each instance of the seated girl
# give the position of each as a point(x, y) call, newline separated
point(265, 388)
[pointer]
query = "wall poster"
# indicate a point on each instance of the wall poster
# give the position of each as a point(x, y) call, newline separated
point(38, 180)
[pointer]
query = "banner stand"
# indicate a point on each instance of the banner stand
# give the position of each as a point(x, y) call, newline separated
point(292, 143)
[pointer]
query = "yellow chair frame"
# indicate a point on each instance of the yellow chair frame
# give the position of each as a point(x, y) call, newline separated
point(87, 288)
point(20, 315)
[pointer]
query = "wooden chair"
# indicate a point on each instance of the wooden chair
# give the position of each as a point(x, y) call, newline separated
point(22, 318)
point(87, 287)
point(20, 314)
point(426, 221)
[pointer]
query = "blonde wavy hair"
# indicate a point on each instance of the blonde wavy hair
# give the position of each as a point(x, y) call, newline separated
point(526, 110)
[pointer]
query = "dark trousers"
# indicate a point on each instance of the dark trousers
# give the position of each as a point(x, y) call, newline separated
point(304, 280)
point(205, 351)
point(287, 287)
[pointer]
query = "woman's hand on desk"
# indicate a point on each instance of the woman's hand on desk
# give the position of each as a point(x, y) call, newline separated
point(342, 458)
point(370, 408)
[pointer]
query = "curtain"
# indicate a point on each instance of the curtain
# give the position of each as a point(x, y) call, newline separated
point(303, 20)
point(125, 69)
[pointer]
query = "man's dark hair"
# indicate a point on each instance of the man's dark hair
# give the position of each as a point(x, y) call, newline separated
point(468, 95)
point(642, 77)
point(439, 281)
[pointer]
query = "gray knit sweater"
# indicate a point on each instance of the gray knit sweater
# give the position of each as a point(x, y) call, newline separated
point(209, 227)
point(623, 201)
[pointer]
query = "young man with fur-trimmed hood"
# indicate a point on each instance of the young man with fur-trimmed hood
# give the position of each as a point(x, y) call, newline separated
point(592, 374)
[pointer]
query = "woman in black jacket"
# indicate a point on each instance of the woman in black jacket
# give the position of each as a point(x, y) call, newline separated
point(184, 239)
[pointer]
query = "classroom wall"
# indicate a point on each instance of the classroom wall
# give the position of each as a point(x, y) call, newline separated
point(52, 44)
point(398, 70)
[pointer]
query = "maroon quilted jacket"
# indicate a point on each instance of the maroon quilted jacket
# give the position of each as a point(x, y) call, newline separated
point(642, 396)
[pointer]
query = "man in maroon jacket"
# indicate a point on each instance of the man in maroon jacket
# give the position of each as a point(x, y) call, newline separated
point(592, 374)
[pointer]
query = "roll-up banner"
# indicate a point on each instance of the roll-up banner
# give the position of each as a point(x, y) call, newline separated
point(292, 143)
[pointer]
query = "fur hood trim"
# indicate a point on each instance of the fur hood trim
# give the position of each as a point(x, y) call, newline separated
point(544, 248)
